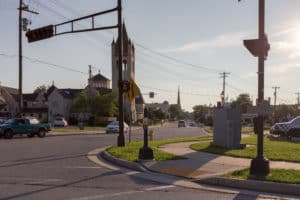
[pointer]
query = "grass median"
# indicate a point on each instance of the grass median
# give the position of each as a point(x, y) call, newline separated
point(74, 129)
point(131, 150)
point(274, 149)
point(276, 175)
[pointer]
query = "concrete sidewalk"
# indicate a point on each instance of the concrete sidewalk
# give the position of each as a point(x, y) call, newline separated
point(206, 168)
point(200, 165)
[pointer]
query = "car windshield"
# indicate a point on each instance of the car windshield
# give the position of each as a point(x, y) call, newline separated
point(58, 119)
point(295, 120)
point(10, 121)
point(114, 123)
point(34, 121)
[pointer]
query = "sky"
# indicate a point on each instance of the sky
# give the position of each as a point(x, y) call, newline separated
point(178, 44)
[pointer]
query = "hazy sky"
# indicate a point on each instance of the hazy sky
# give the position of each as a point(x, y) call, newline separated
point(202, 38)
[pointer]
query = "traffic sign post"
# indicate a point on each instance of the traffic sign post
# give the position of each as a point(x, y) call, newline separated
point(145, 153)
point(260, 166)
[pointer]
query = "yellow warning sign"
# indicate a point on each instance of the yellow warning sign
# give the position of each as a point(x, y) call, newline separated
point(133, 91)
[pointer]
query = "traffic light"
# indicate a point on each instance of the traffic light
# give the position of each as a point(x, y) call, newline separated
point(40, 33)
point(253, 46)
point(151, 94)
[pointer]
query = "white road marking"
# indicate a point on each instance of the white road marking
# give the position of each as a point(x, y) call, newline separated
point(160, 187)
point(82, 167)
point(102, 196)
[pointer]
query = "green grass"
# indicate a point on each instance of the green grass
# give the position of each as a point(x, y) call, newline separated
point(276, 175)
point(74, 129)
point(131, 150)
point(273, 149)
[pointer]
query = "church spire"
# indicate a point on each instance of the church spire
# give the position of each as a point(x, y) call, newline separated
point(178, 99)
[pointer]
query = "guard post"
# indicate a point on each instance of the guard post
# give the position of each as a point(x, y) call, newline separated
point(145, 153)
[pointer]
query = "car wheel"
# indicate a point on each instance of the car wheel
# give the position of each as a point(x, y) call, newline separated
point(42, 133)
point(8, 134)
point(30, 135)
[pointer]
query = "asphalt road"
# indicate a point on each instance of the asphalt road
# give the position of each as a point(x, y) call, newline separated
point(57, 168)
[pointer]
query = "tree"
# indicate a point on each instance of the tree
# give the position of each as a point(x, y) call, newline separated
point(284, 112)
point(157, 114)
point(96, 105)
point(199, 113)
point(174, 111)
point(41, 88)
point(242, 101)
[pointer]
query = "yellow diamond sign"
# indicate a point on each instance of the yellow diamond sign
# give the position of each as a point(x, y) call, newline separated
point(133, 91)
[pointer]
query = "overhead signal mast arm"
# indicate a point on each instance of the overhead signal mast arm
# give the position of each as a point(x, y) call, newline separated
point(52, 30)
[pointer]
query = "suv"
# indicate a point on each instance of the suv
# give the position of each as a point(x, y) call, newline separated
point(181, 123)
point(289, 129)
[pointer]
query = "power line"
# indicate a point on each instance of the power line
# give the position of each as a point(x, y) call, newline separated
point(174, 91)
point(177, 60)
point(35, 60)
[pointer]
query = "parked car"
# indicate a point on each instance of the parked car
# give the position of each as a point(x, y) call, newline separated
point(113, 127)
point(192, 124)
point(60, 121)
point(2, 120)
point(181, 123)
point(289, 129)
point(26, 126)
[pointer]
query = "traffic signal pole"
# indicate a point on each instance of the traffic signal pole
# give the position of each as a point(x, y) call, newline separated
point(53, 30)
point(121, 138)
point(259, 165)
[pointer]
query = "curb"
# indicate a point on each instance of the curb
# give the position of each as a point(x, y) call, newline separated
point(252, 185)
point(73, 134)
point(123, 163)
point(262, 186)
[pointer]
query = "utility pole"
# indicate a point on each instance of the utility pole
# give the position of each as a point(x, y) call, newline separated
point(22, 7)
point(298, 98)
point(275, 95)
point(224, 75)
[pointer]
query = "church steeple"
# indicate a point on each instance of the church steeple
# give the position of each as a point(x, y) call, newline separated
point(178, 99)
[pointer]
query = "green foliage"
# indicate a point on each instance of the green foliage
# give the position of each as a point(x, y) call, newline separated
point(174, 111)
point(242, 101)
point(273, 149)
point(276, 175)
point(199, 113)
point(41, 88)
point(283, 111)
point(156, 114)
point(131, 151)
point(97, 105)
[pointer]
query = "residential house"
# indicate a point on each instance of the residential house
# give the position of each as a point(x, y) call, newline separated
point(60, 102)
point(36, 105)
point(8, 103)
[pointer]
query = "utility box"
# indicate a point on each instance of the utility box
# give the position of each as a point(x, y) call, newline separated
point(227, 128)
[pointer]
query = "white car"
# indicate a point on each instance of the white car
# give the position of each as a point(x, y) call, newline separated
point(113, 127)
point(60, 121)
point(289, 129)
